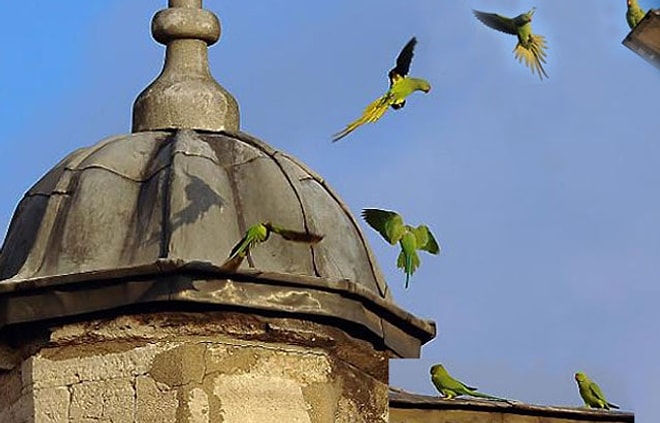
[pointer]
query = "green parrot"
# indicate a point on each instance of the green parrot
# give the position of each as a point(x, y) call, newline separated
point(530, 47)
point(452, 388)
point(259, 233)
point(391, 227)
point(634, 14)
point(401, 86)
point(591, 394)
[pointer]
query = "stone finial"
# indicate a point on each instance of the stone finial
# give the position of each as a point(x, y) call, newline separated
point(185, 95)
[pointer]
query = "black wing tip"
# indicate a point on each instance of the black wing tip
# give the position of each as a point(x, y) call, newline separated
point(339, 135)
point(410, 45)
point(368, 210)
point(368, 213)
point(404, 59)
point(481, 16)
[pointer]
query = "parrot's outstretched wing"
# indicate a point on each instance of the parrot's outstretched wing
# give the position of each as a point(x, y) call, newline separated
point(374, 111)
point(403, 61)
point(534, 55)
point(296, 236)
point(389, 224)
point(425, 239)
point(497, 22)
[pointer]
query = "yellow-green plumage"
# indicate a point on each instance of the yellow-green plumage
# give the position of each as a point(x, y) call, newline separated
point(634, 13)
point(401, 86)
point(530, 48)
point(260, 232)
point(390, 226)
point(591, 393)
point(408, 259)
point(451, 388)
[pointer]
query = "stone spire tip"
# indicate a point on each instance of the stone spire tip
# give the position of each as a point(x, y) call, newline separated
point(185, 95)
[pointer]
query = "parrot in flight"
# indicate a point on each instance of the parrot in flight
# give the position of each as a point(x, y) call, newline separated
point(591, 394)
point(530, 47)
point(634, 14)
point(452, 388)
point(259, 233)
point(401, 86)
point(391, 227)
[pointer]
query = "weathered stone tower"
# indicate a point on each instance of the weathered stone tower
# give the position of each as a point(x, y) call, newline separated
point(113, 305)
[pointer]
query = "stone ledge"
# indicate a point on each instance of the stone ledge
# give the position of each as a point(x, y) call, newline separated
point(178, 281)
point(412, 408)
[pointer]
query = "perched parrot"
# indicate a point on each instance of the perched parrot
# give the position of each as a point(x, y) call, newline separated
point(259, 233)
point(452, 388)
point(591, 394)
point(530, 47)
point(391, 227)
point(401, 86)
point(634, 14)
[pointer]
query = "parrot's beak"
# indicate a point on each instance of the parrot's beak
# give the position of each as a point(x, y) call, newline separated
point(427, 90)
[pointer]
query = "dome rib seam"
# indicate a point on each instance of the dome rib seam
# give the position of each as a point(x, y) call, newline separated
point(276, 159)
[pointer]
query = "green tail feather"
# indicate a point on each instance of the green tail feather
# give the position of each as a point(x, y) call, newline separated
point(405, 262)
point(408, 268)
point(486, 396)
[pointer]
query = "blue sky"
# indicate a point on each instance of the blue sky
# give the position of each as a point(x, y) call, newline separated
point(543, 195)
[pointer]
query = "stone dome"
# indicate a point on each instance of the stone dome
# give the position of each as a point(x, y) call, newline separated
point(148, 219)
point(182, 194)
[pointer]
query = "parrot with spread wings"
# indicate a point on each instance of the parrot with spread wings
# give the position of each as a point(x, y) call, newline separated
point(390, 226)
point(530, 48)
point(260, 232)
point(401, 86)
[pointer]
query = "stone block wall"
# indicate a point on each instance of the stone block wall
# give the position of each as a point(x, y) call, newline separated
point(196, 368)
